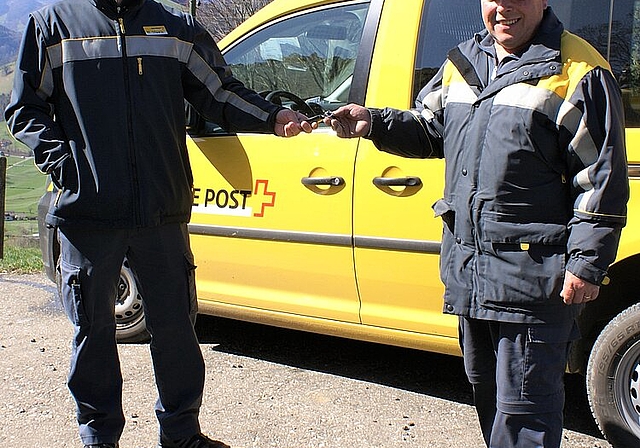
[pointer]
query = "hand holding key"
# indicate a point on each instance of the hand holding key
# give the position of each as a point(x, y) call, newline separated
point(350, 121)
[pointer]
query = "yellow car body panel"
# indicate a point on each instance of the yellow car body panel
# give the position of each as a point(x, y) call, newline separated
point(630, 240)
point(393, 59)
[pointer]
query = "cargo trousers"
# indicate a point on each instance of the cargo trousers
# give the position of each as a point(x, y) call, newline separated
point(517, 374)
point(163, 267)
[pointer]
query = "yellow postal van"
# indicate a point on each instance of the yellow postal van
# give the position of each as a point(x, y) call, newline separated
point(332, 236)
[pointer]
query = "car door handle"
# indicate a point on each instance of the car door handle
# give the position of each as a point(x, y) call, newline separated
point(409, 181)
point(333, 181)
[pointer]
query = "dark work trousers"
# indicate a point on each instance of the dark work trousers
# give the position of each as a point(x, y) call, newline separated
point(163, 265)
point(517, 374)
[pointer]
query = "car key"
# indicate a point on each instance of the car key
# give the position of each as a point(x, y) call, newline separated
point(320, 117)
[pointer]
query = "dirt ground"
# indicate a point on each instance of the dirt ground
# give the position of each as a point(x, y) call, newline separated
point(265, 387)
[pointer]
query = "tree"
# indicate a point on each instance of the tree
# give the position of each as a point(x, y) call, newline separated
point(221, 16)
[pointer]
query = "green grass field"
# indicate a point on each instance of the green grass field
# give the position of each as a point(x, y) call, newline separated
point(25, 185)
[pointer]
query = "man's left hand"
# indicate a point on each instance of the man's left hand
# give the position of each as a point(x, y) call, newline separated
point(575, 290)
point(290, 123)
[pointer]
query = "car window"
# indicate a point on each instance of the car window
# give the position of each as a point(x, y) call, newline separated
point(310, 55)
point(614, 29)
point(445, 23)
point(611, 27)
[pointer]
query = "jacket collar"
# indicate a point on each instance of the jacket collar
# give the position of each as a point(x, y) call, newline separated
point(550, 32)
point(113, 10)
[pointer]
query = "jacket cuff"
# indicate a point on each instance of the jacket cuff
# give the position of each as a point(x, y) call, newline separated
point(271, 120)
point(375, 116)
point(586, 271)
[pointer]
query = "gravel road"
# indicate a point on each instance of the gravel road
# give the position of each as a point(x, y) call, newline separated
point(265, 387)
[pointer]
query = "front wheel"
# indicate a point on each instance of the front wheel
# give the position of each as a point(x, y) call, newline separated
point(130, 322)
point(613, 379)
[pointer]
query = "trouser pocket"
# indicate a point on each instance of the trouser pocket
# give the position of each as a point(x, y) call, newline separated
point(190, 268)
point(71, 293)
point(531, 364)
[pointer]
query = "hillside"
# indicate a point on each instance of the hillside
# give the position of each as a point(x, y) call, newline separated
point(14, 13)
point(25, 185)
point(9, 43)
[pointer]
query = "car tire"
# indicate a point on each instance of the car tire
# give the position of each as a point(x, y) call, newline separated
point(129, 312)
point(613, 379)
point(130, 322)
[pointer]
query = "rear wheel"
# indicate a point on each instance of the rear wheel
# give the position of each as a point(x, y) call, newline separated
point(613, 379)
point(130, 322)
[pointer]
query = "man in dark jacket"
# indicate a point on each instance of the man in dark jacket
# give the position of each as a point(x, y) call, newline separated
point(99, 97)
point(530, 122)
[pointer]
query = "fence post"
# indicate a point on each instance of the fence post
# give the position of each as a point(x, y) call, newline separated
point(3, 184)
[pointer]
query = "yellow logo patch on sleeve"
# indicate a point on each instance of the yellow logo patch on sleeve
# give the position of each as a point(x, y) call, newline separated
point(158, 30)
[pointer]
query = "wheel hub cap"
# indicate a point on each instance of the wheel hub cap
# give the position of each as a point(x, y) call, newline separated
point(634, 388)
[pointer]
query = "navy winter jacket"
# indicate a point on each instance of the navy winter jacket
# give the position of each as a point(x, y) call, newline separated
point(536, 175)
point(99, 96)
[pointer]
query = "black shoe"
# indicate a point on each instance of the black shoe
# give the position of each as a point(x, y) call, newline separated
point(197, 441)
point(102, 445)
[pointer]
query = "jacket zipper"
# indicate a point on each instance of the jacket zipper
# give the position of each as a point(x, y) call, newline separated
point(121, 31)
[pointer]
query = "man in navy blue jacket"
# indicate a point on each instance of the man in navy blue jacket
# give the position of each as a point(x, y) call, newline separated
point(98, 96)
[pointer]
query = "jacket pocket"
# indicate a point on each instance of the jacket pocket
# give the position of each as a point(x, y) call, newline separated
point(65, 175)
point(444, 210)
point(521, 266)
point(506, 232)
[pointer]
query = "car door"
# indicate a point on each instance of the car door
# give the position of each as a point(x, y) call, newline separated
point(271, 224)
point(397, 238)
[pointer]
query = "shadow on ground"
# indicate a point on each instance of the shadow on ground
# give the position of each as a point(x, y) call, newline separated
point(425, 373)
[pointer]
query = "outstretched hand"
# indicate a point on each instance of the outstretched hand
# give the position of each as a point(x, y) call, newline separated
point(290, 123)
point(350, 121)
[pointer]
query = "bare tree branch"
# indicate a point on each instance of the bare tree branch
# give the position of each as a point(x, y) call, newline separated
point(221, 16)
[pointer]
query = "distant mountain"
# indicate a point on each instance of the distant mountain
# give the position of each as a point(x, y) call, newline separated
point(14, 13)
point(13, 17)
